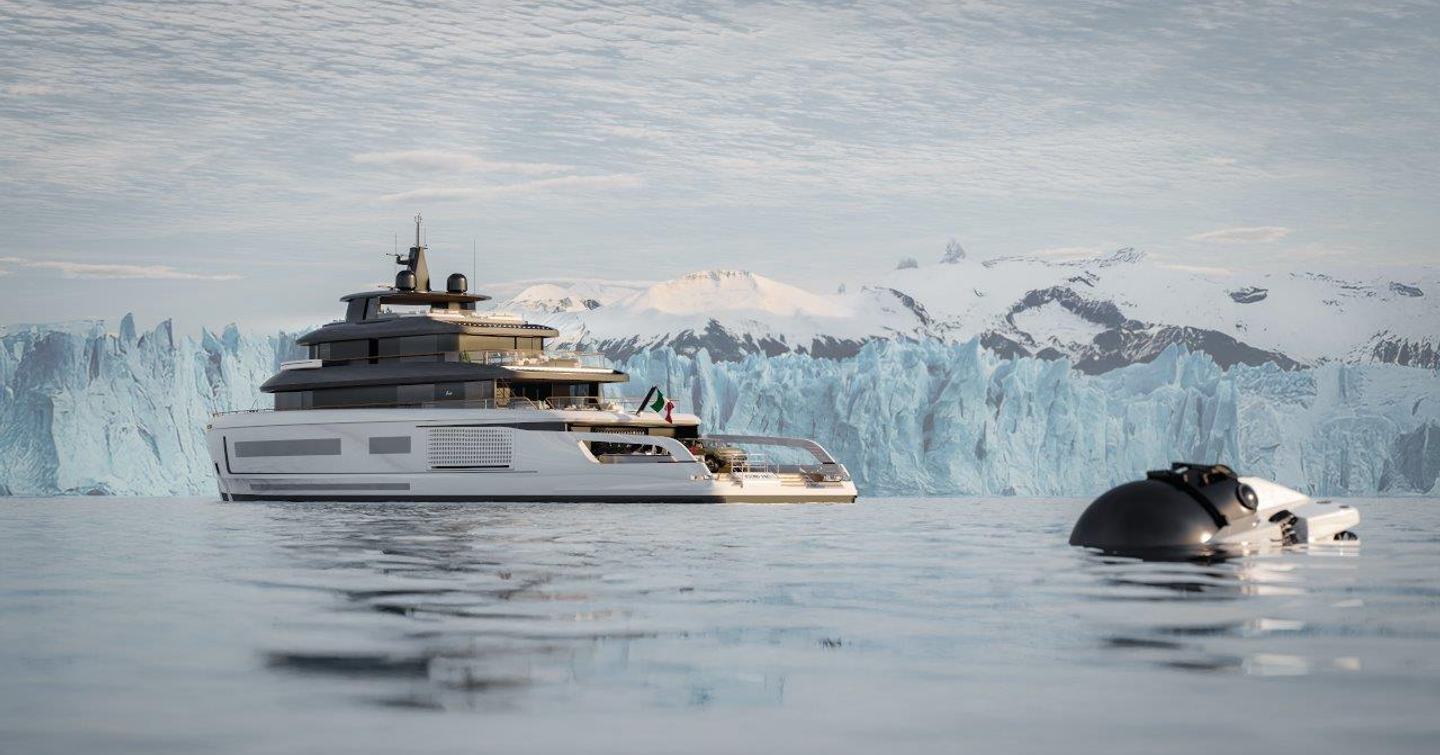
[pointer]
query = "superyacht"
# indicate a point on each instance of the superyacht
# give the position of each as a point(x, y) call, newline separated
point(418, 396)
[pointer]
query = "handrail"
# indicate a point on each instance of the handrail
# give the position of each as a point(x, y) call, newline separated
point(485, 317)
point(596, 403)
point(676, 450)
point(629, 405)
point(747, 463)
point(815, 449)
point(498, 357)
point(520, 358)
point(827, 464)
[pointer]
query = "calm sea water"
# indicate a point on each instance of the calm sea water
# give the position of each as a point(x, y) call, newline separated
point(156, 626)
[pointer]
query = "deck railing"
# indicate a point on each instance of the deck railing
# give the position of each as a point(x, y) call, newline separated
point(495, 357)
point(559, 403)
point(630, 404)
point(737, 451)
point(547, 358)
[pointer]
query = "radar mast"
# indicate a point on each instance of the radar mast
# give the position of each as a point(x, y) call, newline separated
point(415, 260)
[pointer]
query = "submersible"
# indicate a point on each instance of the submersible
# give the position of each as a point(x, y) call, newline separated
point(1208, 505)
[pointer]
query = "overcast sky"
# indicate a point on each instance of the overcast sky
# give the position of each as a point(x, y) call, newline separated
point(252, 163)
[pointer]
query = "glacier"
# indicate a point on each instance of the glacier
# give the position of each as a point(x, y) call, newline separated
point(928, 418)
point(85, 409)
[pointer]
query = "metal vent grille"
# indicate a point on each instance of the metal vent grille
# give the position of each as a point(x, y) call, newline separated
point(469, 447)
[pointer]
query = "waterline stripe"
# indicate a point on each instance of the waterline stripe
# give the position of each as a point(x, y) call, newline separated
point(275, 486)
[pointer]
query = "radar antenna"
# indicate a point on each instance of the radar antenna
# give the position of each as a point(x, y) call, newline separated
point(415, 260)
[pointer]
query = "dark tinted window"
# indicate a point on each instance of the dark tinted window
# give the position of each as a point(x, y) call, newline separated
point(292, 400)
point(409, 345)
point(411, 395)
point(344, 350)
point(295, 447)
point(449, 391)
point(398, 444)
point(480, 390)
point(377, 395)
point(487, 343)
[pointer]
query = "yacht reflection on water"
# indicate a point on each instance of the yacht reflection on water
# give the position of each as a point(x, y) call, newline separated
point(481, 605)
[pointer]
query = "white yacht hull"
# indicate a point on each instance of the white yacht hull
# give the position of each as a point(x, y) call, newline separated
point(481, 455)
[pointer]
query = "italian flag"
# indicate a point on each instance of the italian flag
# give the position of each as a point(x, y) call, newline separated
point(656, 402)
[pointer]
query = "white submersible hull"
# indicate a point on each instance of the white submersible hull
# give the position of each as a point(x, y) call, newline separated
point(1207, 507)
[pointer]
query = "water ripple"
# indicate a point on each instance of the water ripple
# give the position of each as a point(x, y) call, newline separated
point(913, 621)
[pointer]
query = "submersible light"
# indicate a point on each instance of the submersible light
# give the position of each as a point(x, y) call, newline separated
point(1204, 505)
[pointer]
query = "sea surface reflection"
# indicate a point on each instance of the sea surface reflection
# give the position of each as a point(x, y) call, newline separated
point(903, 624)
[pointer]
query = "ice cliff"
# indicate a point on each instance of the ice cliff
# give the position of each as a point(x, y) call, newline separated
point(929, 418)
point(88, 410)
point(84, 410)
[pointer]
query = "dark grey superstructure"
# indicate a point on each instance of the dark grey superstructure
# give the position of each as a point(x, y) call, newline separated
point(440, 351)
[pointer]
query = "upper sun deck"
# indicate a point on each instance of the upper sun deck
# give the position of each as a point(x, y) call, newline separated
point(383, 324)
point(374, 313)
point(432, 298)
point(371, 305)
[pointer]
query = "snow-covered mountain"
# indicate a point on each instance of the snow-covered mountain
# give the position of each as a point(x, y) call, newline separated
point(727, 313)
point(1100, 312)
point(1127, 305)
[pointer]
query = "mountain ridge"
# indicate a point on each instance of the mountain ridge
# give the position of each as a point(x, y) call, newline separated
point(1100, 312)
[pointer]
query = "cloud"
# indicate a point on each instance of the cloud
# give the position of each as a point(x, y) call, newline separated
point(543, 185)
point(1251, 234)
point(92, 270)
point(756, 126)
point(436, 159)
